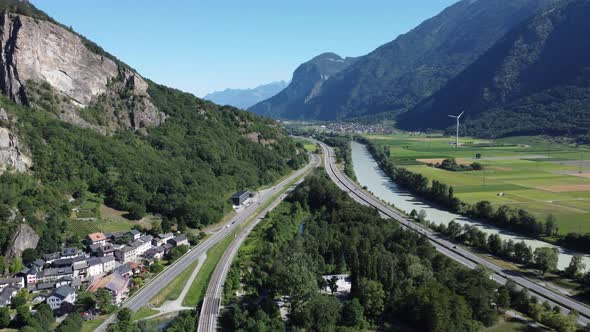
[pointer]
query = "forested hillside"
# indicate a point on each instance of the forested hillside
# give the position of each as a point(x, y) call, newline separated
point(396, 76)
point(398, 279)
point(534, 81)
point(184, 168)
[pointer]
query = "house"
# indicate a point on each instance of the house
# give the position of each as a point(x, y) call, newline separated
point(115, 284)
point(17, 282)
point(44, 286)
point(240, 197)
point(94, 267)
point(55, 273)
point(152, 253)
point(80, 269)
point(126, 254)
point(6, 295)
point(134, 234)
point(167, 247)
point(63, 294)
point(30, 276)
point(108, 263)
point(106, 250)
point(69, 252)
point(342, 282)
point(49, 258)
point(116, 236)
point(124, 270)
point(39, 263)
point(162, 239)
point(68, 281)
point(180, 240)
point(96, 238)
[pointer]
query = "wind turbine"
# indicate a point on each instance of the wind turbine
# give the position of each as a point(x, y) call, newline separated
point(457, 117)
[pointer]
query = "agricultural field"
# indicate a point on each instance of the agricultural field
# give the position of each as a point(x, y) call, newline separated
point(531, 173)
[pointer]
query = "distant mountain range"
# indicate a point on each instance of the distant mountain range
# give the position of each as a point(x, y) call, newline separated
point(244, 98)
point(398, 75)
point(536, 80)
point(307, 83)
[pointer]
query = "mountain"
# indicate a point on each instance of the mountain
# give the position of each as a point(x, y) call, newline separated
point(536, 80)
point(75, 122)
point(308, 80)
point(244, 98)
point(399, 74)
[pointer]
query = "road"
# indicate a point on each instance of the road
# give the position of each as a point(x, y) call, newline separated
point(450, 249)
point(212, 301)
point(153, 287)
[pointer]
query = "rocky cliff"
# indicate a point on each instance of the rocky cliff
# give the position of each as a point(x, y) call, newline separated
point(40, 58)
point(12, 154)
point(24, 238)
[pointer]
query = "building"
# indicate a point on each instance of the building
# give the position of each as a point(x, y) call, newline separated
point(106, 250)
point(343, 283)
point(96, 238)
point(80, 269)
point(30, 276)
point(70, 252)
point(162, 239)
point(61, 295)
point(94, 267)
point(6, 295)
point(38, 263)
point(134, 234)
point(126, 254)
point(240, 197)
point(154, 253)
point(49, 258)
point(115, 284)
point(56, 273)
point(179, 241)
point(108, 263)
point(18, 282)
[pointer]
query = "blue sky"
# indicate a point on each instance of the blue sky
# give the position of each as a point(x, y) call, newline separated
point(202, 46)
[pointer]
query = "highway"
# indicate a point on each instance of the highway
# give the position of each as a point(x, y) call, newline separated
point(450, 249)
point(212, 302)
point(153, 287)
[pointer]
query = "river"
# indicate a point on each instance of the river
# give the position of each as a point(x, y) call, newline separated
point(370, 175)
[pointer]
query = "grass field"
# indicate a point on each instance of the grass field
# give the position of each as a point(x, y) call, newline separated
point(143, 312)
point(533, 173)
point(172, 290)
point(309, 147)
point(199, 286)
point(110, 220)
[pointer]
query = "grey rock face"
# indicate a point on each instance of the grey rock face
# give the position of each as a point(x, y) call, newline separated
point(24, 238)
point(34, 50)
point(12, 154)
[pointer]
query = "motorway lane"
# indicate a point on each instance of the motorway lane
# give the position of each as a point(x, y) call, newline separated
point(152, 288)
point(449, 249)
point(212, 301)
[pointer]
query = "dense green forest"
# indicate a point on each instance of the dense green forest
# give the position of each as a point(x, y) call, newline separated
point(183, 169)
point(398, 279)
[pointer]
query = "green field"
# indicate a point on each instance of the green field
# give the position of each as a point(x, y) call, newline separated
point(533, 173)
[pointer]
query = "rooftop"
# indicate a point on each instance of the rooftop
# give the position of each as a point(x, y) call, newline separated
point(95, 237)
point(63, 291)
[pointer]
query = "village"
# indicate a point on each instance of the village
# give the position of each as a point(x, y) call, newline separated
point(114, 264)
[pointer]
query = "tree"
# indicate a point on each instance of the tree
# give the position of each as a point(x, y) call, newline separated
point(546, 258)
point(371, 297)
point(503, 297)
point(422, 215)
point(352, 314)
point(550, 225)
point(136, 211)
point(124, 319)
point(104, 301)
point(16, 265)
point(495, 244)
point(523, 253)
point(21, 298)
point(29, 255)
point(478, 155)
point(333, 284)
point(4, 317)
point(322, 313)
point(576, 267)
point(71, 323)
